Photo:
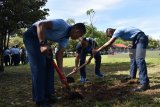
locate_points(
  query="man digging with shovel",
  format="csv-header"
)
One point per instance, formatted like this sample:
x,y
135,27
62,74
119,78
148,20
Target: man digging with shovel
x,y
35,40
84,47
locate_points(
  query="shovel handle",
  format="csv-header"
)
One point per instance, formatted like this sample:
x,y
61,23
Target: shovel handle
x,y
74,71
81,66
63,79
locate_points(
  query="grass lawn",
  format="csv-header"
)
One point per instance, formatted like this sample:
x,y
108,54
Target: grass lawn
x,y
111,91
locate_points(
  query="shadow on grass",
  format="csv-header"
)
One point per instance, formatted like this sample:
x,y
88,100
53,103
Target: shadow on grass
x,y
97,91
15,89
108,92
104,94
156,87
142,100
117,66
107,68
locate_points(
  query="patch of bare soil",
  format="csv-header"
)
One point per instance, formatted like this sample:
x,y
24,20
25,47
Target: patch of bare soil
x,y
101,91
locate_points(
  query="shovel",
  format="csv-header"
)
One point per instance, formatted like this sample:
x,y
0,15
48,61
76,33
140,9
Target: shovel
x,y
64,80
74,71
72,95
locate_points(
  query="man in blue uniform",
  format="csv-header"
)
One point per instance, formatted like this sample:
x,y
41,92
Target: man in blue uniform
x,y
35,40
140,43
7,53
83,48
15,55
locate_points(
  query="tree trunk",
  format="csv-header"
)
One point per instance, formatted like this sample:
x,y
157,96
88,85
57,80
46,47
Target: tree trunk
x,y
4,40
1,61
1,68
1,53
7,41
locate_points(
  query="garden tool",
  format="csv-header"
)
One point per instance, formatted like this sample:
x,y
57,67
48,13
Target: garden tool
x,y
71,94
74,71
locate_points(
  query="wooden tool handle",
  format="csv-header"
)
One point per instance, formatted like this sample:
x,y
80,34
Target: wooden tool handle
x,y
74,71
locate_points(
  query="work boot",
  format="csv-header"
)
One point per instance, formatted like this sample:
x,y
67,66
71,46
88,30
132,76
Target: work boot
x,y
100,75
129,78
142,88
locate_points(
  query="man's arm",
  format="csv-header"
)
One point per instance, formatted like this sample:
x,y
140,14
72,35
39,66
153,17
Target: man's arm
x,y
77,60
41,27
59,58
110,42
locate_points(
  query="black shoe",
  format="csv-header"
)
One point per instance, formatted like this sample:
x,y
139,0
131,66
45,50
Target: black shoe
x,y
129,78
53,99
42,104
142,88
126,79
100,75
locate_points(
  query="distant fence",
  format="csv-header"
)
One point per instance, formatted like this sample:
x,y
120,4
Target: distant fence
x,y
69,54
149,53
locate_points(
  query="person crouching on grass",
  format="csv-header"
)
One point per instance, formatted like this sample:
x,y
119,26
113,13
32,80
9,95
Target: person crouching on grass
x,y
83,48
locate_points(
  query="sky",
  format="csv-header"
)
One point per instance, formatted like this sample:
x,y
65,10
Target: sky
x,y
142,14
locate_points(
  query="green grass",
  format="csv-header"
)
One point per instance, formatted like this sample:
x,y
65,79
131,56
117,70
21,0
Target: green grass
x,y
15,85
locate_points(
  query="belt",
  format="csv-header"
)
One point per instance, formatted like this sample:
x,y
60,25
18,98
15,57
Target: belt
x,y
138,35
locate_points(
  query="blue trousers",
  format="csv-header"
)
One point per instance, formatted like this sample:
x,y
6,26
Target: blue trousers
x,y
133,65
42,71
139,51
7,60
97,58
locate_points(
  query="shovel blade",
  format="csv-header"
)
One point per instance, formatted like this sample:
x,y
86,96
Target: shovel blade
x,y
70,79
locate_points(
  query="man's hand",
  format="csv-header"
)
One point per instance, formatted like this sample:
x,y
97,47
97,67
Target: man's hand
x,y
75,69
44,49
94,51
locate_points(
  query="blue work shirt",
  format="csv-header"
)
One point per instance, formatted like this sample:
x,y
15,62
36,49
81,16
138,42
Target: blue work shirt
x,y
58,33
126,33
7,52
14,51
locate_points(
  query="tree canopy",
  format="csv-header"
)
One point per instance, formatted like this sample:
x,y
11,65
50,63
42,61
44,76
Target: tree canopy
x,y
16,14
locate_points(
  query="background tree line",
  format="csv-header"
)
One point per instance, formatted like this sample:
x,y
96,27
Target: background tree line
x,y
17,15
